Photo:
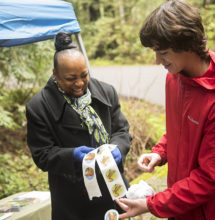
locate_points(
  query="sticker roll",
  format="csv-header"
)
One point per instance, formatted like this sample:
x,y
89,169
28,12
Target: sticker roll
x,y
110,172
89,174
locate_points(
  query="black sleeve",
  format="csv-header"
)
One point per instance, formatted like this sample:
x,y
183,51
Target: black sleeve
x,y
45,146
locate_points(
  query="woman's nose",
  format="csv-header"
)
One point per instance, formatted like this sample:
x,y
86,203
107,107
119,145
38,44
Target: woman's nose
x,y
79,82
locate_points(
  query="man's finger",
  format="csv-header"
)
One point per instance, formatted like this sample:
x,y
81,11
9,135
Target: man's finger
x,y
122,205
124,215
152,165
144,167
141,159
126,202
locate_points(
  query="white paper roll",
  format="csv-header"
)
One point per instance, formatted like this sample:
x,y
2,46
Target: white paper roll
x,y
109,170
89,174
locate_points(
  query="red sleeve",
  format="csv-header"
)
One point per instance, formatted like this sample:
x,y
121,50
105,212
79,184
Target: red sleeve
x,y
161,149
196,189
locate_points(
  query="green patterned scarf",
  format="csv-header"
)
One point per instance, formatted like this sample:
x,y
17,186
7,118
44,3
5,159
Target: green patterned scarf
x,y
89,116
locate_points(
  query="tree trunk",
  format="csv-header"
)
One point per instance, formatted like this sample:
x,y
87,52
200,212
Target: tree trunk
x,y
101,8
121,11
204,3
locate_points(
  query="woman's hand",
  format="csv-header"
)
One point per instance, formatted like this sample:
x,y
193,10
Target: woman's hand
x,y
80,152
116,154
132,207
147,162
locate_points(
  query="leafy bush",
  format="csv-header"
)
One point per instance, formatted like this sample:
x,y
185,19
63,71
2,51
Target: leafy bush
x,y
18,173
28,69
109,35
147,125
208,17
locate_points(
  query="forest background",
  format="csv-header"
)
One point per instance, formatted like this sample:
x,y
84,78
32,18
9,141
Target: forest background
x,y
110,33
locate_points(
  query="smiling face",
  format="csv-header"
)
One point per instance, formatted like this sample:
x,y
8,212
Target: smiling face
x,y
71,73
174,62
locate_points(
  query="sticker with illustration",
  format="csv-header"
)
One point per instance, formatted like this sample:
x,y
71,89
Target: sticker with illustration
x,y
89,173
90,157
109,171
111,175
111,214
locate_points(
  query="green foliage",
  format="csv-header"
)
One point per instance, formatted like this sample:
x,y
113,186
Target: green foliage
x,y
147,125
110,29
6,119
208,16
12,106
22,70
159,172
18,173
156,125
25,66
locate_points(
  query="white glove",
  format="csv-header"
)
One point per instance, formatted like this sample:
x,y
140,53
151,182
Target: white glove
x,y
140,190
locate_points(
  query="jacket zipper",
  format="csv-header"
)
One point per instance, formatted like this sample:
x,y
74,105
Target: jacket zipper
x,y
180,101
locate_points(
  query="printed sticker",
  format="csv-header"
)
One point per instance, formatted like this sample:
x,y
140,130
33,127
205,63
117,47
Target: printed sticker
x,y
100,150
89,157
109,171
111,214
117,190
111,175
89,173
105,160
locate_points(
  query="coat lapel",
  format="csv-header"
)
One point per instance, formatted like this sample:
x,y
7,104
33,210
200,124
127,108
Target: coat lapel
x,y
55,102
98,92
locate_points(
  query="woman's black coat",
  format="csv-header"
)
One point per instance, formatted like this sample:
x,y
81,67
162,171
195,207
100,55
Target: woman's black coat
x,y
54,129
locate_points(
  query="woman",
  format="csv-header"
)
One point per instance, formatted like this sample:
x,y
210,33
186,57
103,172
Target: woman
x,y
70,117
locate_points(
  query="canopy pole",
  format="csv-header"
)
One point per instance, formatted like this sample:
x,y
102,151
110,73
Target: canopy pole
x,y
82,48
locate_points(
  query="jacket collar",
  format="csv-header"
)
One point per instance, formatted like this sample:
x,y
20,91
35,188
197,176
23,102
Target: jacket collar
x,y
53,98
204,81
212,55
98,92
56,103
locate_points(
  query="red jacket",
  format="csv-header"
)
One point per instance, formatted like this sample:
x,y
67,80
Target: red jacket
x,y
189,148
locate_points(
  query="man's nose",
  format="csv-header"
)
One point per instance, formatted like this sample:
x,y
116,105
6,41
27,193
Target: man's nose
x,y
158,59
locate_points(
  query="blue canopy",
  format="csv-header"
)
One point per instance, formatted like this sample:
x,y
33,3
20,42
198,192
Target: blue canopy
x,y
28,21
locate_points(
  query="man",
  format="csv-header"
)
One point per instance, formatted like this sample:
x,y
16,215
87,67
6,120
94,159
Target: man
x,y
176,34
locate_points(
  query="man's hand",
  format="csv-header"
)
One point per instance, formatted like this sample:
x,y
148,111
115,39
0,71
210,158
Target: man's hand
x,y
147,162
80,152
132,207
